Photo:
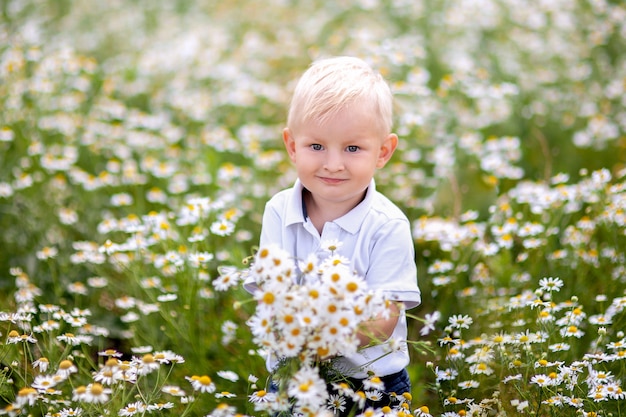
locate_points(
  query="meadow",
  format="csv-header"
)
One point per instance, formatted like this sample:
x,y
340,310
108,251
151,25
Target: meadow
x,y
139,141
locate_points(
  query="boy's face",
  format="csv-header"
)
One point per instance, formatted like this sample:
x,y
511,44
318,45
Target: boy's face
x,y
337,159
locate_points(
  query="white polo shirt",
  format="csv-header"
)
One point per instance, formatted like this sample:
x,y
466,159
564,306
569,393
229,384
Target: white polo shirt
x,y
376,238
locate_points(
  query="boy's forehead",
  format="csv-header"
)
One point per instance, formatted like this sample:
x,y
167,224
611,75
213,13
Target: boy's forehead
x,y
353,124
325,112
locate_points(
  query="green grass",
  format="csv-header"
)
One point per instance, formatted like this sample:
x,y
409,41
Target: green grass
x,y
117,118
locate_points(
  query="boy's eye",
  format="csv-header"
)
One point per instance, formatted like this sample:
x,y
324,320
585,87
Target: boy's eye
x,y
352,148
316,147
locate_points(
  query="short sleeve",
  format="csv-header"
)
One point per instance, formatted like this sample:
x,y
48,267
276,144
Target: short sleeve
x,y
272,226
270,234
392,266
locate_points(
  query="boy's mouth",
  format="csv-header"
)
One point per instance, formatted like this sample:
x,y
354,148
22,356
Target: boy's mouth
x,y
330,180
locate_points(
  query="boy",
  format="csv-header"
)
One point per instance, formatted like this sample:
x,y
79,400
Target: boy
x,y
338,133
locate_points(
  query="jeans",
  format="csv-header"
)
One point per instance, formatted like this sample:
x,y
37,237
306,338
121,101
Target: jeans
x,y
398,383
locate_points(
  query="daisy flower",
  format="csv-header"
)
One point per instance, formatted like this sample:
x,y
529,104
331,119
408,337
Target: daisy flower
x,y
125,302
575,316
292,345
262,396
202,383
47,252
92,393
600,319
132,409
66,367
335,260
198,259
331,245
75,340
571,331
173,390
359,398
440,266
481,368
336,403
77,288
71,412
160,406
550,284
228,375
26,395
423,411
224,394
446,374
429,322
228,278
543,380
373,382
574,401
110,373
112,353
374,395
146,364
459,321
469,384
222,227
222,410
559,347
75,321
167,356
307,387
14,337
308,266
41,364
509,378
342,388
44,382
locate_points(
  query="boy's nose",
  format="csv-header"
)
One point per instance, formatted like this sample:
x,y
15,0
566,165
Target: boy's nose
x,y
334,162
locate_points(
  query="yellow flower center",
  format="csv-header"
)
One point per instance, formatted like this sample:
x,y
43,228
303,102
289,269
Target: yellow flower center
x,y
26,391
268,298
205,380
97,389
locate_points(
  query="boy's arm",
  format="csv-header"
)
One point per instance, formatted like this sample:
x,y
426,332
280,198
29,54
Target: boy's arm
x,y
379,329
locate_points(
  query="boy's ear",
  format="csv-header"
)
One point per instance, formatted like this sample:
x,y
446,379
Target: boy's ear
x,y
290,144
386,150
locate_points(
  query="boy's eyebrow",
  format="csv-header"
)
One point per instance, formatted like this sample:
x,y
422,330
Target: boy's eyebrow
x,y
343,141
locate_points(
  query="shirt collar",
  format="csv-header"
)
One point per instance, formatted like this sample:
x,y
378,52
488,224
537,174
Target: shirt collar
x,y
350,222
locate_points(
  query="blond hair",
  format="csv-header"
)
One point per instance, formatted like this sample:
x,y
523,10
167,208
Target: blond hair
x,y
333,84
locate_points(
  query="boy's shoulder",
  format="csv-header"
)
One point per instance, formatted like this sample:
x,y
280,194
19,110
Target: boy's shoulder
x,y
382,205
282,196
287,203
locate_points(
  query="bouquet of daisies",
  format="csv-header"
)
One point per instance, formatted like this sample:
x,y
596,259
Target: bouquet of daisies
x,y
308,313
